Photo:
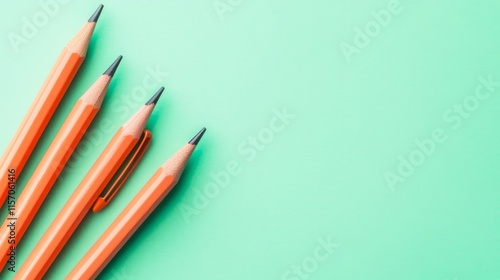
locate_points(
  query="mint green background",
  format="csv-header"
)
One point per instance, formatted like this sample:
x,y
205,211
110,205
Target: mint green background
x,y
321,176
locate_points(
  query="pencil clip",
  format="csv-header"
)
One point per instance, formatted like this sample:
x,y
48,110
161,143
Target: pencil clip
x,y
124,172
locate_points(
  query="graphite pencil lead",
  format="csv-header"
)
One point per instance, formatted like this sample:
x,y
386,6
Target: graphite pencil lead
x,y
96,14
155,97
112,69
197,137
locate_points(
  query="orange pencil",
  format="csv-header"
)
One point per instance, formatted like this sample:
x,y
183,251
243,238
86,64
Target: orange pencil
x,y
80,202
38,116
134,214
22,212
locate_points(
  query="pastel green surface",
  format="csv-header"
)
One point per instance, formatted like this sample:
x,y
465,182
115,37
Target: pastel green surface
x,y
340,96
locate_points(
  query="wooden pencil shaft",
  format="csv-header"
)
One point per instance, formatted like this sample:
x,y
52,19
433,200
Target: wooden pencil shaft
x,y
52,164
82,199
131,218
43,107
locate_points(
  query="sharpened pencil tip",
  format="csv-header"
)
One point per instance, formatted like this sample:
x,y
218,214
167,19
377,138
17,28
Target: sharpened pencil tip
x,y
155,97
96,14
112,69
197,137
